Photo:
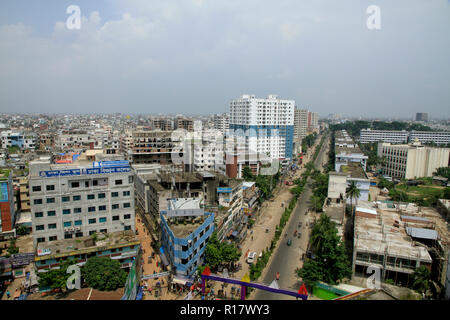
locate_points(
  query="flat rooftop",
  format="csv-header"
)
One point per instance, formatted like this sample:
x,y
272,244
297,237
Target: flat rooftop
x,y
387,229
77,245
355,170
183,228
347,150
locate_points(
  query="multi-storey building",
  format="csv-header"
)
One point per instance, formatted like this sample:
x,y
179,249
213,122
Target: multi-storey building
x,y
122,246
393,136
313,121
153,147
163,124
266,125
430,136
410,161
422,116
80,199
222,123
7,209
186,229
398,239
184,123
300,124
12,139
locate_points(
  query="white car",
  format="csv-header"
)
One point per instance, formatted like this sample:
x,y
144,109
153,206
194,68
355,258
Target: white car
x,y
251,257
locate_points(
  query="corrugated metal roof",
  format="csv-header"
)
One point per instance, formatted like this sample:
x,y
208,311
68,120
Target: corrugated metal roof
x,y
415,218
366,210
422,233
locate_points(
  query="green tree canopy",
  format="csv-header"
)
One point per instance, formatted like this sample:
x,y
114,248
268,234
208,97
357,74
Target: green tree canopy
x,y
352,191
330,263
220,253
56,278
103,273
420,280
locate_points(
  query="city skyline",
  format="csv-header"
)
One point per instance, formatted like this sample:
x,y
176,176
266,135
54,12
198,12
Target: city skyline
x,y
142,57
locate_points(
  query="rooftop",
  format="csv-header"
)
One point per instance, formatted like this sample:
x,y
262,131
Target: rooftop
x,y
379,227
76,246
355,170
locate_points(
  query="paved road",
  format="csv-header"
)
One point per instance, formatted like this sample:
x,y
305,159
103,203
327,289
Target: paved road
x,y
287,258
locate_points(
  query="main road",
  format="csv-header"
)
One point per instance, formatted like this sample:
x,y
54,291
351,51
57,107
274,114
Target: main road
x,y
287,258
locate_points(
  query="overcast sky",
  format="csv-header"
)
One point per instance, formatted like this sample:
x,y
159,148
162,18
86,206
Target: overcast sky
x,y
194,56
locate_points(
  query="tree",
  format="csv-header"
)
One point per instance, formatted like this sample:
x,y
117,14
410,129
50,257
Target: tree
x,y
22,230
330,263
421,279
443,172
247,174
56,278
352,191
103,273
218,253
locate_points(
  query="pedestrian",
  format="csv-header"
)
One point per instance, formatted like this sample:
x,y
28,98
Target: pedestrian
x,y
252,238
8,294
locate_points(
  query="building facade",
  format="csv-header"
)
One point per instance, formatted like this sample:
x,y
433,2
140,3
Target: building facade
x,y
70,201
393,136
186,229
7,208
410,161
266,125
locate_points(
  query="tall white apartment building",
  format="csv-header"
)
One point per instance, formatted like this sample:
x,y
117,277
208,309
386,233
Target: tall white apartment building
x,y
209,151
300,124
71,201
430,136
266,125
392,136
410,161
222,122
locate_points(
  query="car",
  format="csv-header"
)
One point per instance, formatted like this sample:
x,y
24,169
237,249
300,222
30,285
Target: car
x,y
251,257
289,242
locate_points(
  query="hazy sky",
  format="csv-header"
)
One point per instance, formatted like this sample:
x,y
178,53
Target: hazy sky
x,y
194,56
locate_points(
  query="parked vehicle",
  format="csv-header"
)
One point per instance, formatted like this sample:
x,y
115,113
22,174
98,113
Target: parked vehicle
x,y
251,257
289,242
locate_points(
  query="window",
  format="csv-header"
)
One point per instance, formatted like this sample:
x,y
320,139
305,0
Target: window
x,y
104,230
91,221
65,199
127,216
118,182
101,208
79,234
67,224
91,209
115,218
86,184
51,213
184,261
115,206
40,227
50,200
92,232
50,187
184,248
37,201
76,198
101,195
127,228
78,222
103,219
66,211
52,238
95,183
126,193
126,205
75,184
52,226
91,196
38,214
67,236
114,194
36,188
76,210
39,240
130,179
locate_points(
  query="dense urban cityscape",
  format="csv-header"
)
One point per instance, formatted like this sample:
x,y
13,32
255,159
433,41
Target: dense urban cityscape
x,y
192,175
